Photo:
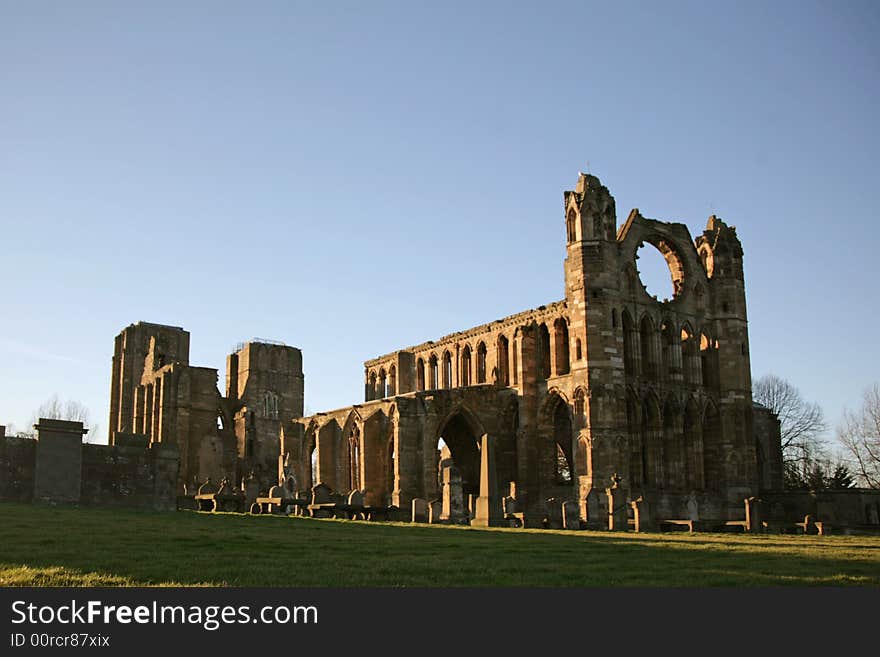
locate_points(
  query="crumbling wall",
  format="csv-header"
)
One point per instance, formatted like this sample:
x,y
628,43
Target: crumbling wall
x,y
17,463
131,474
58,468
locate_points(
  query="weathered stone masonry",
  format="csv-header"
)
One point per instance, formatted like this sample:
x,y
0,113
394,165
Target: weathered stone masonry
x,y
157,394
608,380
58,468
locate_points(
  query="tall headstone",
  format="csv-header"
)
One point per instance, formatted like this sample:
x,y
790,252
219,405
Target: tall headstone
x,y
488,511
693,507
617,516
571,515
453,509
58,471
644,518
554,513
754,515
435,516
419,510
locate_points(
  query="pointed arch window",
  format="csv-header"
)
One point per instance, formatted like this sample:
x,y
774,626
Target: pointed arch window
x,y
481,363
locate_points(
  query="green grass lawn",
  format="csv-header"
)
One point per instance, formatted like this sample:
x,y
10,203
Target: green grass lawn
x,y
42,546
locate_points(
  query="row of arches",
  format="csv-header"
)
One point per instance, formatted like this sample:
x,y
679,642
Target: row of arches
x,y
381,384
667,448
472,366
350,456
554,359
361,452
668,353
667,445
466,364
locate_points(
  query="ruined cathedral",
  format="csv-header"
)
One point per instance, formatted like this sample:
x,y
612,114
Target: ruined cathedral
x,y
608,386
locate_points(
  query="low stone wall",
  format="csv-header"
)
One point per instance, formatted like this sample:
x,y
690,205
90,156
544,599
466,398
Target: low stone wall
x,y
850,507
129,476
57,468
17,464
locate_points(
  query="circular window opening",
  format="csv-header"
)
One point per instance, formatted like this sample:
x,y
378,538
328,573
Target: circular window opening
x,y
655,271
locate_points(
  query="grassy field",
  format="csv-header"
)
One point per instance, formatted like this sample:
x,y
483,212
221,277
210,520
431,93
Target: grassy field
x,y
41,546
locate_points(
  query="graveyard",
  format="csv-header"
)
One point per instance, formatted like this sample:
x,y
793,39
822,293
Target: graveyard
x,y
70,546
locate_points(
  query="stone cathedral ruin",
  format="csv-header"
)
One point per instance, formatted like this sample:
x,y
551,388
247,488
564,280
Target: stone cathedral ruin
x,y
579,413
608,380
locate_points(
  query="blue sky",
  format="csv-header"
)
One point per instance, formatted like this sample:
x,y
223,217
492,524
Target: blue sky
x,y
354,177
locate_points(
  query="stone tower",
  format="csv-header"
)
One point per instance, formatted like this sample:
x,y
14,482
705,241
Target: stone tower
x,y
264,389
667,381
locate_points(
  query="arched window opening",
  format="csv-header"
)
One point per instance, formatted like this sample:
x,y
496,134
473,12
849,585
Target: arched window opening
x,y
420,374
435,372
544,350
383,384
515,362
354,458
646,340
630,345
713,471
582,462
693,448
392,381
635,438
563,468
447,369
689,356
503,361
614,318
707,361
562,356
371,387
562,437
392,458
579,354
481,363
580,409
648,446
571,223
313,465
270,405
465,374
670,352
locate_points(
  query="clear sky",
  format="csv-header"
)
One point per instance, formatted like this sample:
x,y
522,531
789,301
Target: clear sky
x,y
355,177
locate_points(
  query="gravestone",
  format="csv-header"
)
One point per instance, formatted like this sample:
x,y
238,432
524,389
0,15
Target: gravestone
x,y
207,488
754,515
642,514
617,516
356,498
452,502
596,510
571,515
488,511
251,488
435,512
322,494
419,510
554,513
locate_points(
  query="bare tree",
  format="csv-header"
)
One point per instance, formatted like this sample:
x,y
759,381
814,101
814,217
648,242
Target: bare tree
x,y
860,436
801,422
56,409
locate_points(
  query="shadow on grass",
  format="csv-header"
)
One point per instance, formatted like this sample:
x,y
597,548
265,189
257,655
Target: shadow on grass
x,y
86,547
